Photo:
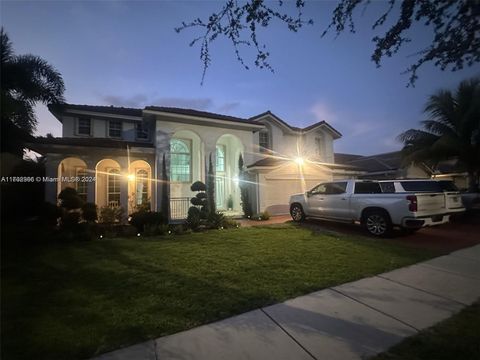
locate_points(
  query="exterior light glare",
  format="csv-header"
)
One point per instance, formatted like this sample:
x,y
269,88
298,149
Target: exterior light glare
x,y
236,180
131,177
299,161
138,234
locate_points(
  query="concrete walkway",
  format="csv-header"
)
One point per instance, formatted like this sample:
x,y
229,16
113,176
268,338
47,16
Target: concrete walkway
x,y
350,321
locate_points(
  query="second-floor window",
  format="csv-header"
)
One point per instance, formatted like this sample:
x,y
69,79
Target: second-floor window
x,y
84,126
264,141
115,128
141,131
180,160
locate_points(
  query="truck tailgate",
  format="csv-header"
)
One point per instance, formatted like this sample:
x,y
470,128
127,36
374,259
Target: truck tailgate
x,y
430,202
453,200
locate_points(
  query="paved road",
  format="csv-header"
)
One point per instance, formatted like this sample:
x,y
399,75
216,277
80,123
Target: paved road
x,y
350,321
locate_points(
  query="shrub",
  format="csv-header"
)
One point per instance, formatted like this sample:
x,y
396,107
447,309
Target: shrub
x,y
178,229
215,220
70,221
89,212
142,218
194,218
261,216
69,199
111,215
229,223
155,229
49,215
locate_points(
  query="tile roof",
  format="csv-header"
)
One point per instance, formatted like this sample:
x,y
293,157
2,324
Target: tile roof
x,y
98,108
373,163
272,162
294,128
205,114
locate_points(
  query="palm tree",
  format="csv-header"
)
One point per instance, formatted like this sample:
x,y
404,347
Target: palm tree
x,y
25,81
452,130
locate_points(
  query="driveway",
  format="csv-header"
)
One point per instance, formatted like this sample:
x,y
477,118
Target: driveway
x,y
459,234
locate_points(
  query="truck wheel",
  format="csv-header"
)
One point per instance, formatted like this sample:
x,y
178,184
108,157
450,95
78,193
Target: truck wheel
x,y
296,212
378,223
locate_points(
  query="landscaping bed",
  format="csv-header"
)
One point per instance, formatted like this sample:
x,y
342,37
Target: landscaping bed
x,y
79,299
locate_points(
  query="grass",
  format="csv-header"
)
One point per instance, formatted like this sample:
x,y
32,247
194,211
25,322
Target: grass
x,y
77,300
452,339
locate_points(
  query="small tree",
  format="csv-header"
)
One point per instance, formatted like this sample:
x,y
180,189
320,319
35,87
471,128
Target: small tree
x,y
211,187
195,215
244,194
165,201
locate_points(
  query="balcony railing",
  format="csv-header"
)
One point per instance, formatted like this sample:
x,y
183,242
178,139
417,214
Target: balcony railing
x,y
179,208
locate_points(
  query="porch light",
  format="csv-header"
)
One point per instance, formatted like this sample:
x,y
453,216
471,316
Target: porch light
x,y
236,180
131,177
299,161
138,234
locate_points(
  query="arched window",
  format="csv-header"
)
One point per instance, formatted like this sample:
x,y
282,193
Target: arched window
x,y
180,160
141,186
113,188
220,158
264,140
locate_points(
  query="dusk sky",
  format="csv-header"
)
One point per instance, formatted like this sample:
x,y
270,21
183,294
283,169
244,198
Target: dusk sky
x,y
128,54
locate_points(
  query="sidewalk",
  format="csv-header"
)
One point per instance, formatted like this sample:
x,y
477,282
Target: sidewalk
x,y
350,321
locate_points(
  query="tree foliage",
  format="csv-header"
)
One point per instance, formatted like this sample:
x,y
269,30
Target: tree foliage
x,y
455,25
25,81
452,130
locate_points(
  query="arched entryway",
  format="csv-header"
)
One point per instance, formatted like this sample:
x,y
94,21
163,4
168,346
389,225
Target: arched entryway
x,y
109,178
139,185
72,173
227,192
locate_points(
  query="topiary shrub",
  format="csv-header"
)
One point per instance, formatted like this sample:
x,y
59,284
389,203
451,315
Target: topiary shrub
x,y
69,199
89,212
198,186
194,218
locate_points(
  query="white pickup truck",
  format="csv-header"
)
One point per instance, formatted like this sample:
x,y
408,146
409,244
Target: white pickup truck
x,y
364,201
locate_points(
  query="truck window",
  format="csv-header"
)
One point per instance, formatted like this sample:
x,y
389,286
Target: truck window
x,y
319,189
448,185
367,188
387,187
336,188
422,186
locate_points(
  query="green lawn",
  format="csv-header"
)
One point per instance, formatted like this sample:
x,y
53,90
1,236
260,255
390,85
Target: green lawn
x,y
453,339
76,300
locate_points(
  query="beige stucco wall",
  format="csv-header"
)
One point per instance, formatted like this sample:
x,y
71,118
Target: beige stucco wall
x,y
292,145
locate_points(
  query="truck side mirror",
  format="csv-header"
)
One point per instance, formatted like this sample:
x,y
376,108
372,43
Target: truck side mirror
x,y
309,193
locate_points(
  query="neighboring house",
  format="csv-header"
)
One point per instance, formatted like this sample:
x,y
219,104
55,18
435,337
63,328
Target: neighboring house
x,y
124,148
384,166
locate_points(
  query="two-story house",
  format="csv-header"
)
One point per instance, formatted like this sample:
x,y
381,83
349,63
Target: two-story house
x,y
124,152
